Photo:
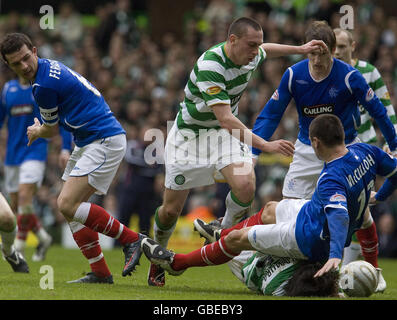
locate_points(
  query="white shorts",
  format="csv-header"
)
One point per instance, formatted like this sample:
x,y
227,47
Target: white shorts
x,y
301,179
29,172
98,160
194,161
279,239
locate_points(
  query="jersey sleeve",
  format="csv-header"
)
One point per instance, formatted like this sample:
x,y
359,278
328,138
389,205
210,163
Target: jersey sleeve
x,y
365,94
334,198
269,118
211,83
387,167
47,100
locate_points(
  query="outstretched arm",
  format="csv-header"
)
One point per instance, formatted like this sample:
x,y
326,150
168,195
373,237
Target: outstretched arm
x,y
274,50
231,123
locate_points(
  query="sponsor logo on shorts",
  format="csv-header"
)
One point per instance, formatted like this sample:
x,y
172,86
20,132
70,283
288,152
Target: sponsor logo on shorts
x,y
180,179
338,198
213,90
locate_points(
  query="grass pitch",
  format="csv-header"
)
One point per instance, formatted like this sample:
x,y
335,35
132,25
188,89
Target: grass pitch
x,y
206,283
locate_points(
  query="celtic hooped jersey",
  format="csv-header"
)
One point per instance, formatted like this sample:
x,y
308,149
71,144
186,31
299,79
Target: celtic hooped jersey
x,y
215,79
268,274
366,131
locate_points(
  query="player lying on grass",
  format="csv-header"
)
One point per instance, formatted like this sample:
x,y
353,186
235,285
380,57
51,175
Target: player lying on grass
x,y
282,276
316,230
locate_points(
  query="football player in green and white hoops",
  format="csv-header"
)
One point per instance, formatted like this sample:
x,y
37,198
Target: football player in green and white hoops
x,y
282,276
208,112
345,47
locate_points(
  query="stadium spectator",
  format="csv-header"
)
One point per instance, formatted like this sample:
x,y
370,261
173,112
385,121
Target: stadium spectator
x,y
68,25
136,189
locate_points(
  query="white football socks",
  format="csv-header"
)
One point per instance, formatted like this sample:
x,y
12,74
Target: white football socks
x,y
235,210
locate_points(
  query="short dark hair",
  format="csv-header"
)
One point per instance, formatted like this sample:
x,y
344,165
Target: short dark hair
x,y
13,42
320,30
240,25
303,284
328,129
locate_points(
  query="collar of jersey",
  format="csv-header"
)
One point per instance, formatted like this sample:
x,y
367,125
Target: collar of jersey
x,y
228,60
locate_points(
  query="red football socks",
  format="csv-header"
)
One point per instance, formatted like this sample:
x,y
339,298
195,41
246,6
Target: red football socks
x,y
88,242
212,254
99,220
369,244
249,222
26,223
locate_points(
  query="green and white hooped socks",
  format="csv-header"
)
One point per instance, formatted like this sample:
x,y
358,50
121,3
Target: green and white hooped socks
x,y
162,233
235,210
7,239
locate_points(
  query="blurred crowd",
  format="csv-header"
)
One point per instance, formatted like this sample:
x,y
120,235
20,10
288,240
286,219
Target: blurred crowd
x,y
143,80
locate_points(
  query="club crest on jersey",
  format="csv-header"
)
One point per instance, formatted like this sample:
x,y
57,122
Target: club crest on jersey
x,y
314,111
213,90
333,92
338,198
370,94
275,95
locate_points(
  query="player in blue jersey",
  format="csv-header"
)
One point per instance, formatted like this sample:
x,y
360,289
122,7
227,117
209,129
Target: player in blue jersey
x,y
67,99
25,166
321,84
315,230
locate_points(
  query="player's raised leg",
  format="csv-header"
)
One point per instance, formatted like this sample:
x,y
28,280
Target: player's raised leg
x,y
241,178
212,232
219,252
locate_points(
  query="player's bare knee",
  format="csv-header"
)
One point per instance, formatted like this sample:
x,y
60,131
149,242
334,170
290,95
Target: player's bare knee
x,y
269,213
170,212
66,206
245,190
7,221
234,240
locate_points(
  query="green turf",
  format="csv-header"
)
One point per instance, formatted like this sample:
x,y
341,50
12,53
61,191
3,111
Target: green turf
x,y
209,283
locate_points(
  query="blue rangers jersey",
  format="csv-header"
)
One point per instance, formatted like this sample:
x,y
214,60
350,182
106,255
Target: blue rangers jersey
x,y
326,223
18,106
337,94
67,98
